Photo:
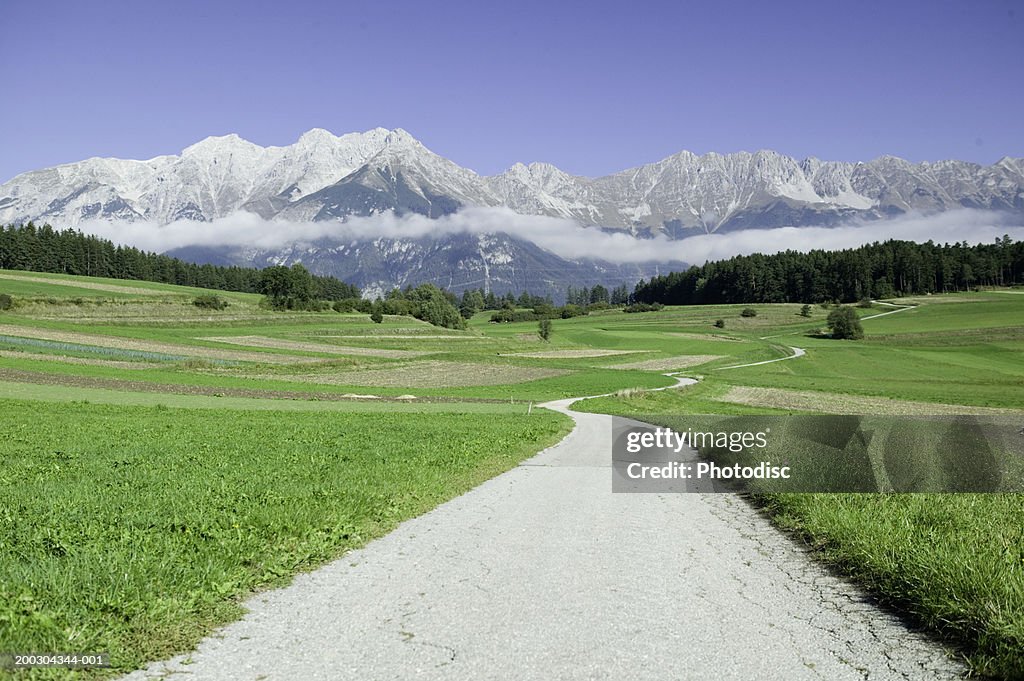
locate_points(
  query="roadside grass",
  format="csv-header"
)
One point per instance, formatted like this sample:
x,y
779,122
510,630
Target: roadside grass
x,y
138,530
954,562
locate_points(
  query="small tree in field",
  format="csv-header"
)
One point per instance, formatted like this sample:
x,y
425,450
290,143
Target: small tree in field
x,y
544,329
845,324
805,311
377,313
719,323
748,312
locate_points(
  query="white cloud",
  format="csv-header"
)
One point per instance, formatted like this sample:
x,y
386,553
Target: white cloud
x,y
563,237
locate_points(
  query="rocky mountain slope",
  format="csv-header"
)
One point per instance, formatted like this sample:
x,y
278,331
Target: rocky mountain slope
x,y
327,178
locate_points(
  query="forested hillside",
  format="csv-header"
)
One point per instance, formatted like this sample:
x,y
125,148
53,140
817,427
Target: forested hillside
x,y
880,270
44,249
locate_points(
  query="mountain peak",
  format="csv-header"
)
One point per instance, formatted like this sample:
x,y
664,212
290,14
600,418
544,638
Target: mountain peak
x,y
401,138
220,143
316,136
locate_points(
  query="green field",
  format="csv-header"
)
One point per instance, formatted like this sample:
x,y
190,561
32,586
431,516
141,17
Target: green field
x,y
162,461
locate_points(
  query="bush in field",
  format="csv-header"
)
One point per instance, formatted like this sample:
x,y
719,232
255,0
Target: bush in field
x,y
720,323
748,312
425,302
209,301
544,329
6,302
845,324
569,311
805,311
353,305
288,288
864,302
643,307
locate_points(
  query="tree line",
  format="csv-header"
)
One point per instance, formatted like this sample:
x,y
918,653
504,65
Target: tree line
x,y
879,270
44,249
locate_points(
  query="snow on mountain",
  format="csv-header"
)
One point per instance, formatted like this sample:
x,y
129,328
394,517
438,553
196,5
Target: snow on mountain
x,y
323,177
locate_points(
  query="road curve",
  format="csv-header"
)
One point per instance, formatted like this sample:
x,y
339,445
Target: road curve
x,y
543,573
797,352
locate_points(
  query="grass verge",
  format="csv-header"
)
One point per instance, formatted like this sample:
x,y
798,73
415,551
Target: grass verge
x,y
955,562
137,530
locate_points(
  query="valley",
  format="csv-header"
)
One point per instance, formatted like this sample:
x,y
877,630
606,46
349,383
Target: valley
x,y
176,459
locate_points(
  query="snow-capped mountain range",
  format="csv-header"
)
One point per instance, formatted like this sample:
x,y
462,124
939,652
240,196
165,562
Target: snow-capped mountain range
x,y
323,177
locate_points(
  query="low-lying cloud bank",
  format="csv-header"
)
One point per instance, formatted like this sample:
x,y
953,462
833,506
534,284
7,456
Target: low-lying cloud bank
x,y
562,237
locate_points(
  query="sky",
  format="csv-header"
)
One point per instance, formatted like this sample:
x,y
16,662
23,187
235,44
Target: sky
x,y
592,87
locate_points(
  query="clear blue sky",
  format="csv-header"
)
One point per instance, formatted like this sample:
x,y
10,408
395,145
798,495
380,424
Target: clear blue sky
x,y
591,87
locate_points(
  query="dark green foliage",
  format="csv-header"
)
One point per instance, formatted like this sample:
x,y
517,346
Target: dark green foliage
x,y
643,307
845,324
865,303
544,329
353,305
287,288
44,249
620,295
720,323
6,302
582,297
376,317
748,312
880,270
541,311
210,301
502,316
569,311
425,302
805,311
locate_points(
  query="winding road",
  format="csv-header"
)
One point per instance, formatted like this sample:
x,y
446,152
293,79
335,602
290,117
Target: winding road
x,y
544,573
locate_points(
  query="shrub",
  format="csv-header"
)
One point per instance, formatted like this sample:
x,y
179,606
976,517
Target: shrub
x,y
805,311
209,301
376,317
748,312
569,311
864,302
353,305
514,316
643,307
845,324
544,329
720,323
6,302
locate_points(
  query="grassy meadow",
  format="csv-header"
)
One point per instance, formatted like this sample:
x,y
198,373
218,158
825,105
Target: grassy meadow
x,y
162,461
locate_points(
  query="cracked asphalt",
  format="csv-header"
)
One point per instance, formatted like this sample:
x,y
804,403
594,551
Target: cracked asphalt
x,y
543,573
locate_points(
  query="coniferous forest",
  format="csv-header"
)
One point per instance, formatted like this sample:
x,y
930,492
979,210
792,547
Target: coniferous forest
x,y
44,249
880,270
